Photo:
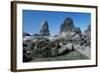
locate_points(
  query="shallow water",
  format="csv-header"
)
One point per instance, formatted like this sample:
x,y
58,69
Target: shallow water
x,y
73,55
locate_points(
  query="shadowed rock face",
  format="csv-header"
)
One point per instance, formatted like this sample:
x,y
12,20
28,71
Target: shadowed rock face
x,y
77,34
44,30
70,33
66,27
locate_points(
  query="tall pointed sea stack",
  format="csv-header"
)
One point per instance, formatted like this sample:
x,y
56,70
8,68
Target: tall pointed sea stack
x,y
44,30
67,27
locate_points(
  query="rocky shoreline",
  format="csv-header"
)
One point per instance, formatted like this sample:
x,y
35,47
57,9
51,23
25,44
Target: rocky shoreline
x,y
69,39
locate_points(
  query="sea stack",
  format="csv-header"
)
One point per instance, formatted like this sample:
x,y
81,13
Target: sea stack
x,y
67,27
44,29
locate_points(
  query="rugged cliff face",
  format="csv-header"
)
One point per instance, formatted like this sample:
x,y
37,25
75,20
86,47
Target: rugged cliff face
x,y
77,34
70,33
67,25
44,30
67,28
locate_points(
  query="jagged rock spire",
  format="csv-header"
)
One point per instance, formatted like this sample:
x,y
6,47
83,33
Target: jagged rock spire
x,y
67,25
44,30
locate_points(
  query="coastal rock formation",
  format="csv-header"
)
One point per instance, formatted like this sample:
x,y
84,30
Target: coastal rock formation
x,y
67,28
77,36
70,39
44,30
73,35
